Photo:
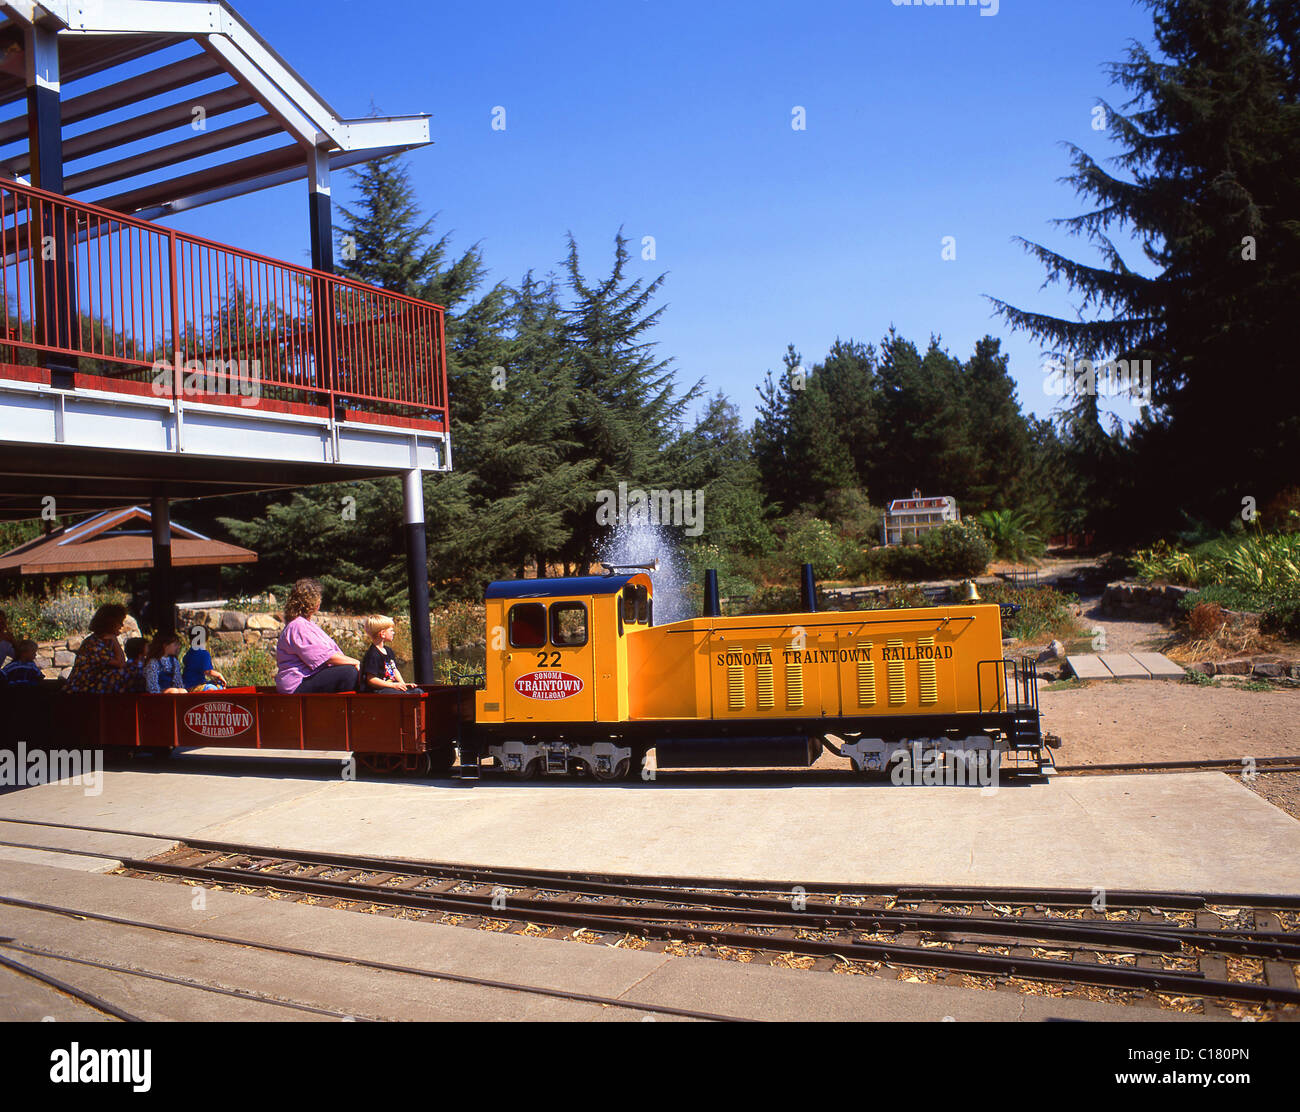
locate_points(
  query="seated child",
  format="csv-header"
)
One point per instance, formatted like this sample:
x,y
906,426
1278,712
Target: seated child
x,y
198,674
135,651
22,669
162,667
379,666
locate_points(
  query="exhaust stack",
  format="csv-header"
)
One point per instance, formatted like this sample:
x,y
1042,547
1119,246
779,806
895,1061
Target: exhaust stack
x,y
712,603
808,590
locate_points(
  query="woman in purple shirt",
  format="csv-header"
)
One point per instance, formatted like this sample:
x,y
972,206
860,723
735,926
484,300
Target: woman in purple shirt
x,y
306,658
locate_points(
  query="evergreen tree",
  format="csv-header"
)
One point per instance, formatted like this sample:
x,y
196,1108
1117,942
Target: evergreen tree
x,y
771,436
627,406
717,458
997,433
1211,141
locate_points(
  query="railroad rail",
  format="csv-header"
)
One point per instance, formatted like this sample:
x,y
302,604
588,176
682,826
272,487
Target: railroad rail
x,y
1181,944
1185,952
1227,764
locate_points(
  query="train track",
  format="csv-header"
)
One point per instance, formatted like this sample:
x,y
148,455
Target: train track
x,y
1216,947
1224,947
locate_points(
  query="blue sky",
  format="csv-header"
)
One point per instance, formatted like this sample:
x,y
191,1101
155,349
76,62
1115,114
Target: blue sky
x,y
673,120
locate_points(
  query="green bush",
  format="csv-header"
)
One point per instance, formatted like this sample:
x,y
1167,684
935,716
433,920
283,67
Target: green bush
x,y
47,619
813,541
1043,611
1254,562
957,550
1230,598
1011,536
254,666
1282,616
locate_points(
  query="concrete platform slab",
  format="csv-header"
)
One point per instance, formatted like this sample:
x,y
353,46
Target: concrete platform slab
x,y
1124,666
1194,832
1088,667
1159,665
257,983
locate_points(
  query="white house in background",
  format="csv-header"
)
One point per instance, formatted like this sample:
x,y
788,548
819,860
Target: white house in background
x,y
907,519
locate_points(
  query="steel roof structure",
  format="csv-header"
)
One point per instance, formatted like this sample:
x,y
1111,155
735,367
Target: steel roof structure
x,y
226,115
114,114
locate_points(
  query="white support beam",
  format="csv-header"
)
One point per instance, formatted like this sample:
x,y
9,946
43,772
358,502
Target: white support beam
x,y
267,181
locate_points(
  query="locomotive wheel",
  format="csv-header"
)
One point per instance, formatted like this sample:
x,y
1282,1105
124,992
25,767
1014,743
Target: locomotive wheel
x,y
418,767
618,772
531,771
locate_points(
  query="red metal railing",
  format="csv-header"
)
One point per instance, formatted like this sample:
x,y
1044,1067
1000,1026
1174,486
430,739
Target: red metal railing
x,y
113,296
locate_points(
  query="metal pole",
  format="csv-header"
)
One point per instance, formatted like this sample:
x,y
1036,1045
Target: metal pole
x,y
417,574
58,321
319,210
162,598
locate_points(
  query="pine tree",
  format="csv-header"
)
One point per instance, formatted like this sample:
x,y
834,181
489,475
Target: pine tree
x,y
717,458
998,434
1211,141
771,435
627,407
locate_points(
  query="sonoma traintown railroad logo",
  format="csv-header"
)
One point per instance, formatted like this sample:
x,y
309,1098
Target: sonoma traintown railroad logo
x,y
217,719
548,686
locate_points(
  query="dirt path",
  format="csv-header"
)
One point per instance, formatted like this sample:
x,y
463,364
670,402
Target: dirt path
x,y
1123,636
1120,721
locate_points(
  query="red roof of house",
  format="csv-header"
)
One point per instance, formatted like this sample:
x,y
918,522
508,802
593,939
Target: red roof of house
x,y
116,540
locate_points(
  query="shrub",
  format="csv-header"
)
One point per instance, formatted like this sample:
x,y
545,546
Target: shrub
x,y
854,516
25,620
69,613
60,616
1256,562
1011,536
816,542
459,625
1282,616
774,600
1043,611
1229,598
254,666
957,550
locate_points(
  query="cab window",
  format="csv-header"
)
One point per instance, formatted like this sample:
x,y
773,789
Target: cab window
x,y
636,609
527,623
568,624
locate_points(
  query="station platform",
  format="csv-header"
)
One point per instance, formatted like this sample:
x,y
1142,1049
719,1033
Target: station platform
x,y
1194,832
165,959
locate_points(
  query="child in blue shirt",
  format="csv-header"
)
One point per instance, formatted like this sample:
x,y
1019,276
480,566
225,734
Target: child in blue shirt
x,y
23,669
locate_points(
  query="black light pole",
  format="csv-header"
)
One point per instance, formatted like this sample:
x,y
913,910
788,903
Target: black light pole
x,y
417,575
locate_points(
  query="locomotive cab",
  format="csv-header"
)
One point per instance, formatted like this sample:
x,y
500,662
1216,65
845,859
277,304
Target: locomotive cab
x,y
557,656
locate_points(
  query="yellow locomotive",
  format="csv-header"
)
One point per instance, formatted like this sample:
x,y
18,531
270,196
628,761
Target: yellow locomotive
x,y
579,674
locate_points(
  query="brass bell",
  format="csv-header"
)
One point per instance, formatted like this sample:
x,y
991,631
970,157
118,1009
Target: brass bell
x,y
971,593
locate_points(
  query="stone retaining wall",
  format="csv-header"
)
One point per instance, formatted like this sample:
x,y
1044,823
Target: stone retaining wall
x,y
1258,667
1141,601
229,630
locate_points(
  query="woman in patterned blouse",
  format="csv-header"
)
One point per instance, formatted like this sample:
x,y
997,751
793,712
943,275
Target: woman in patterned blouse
x,y
100,668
